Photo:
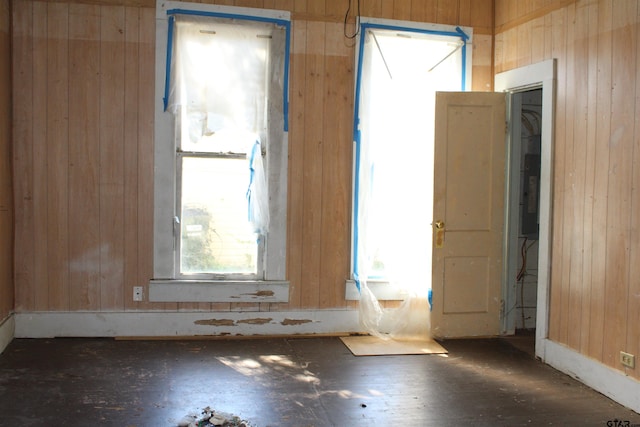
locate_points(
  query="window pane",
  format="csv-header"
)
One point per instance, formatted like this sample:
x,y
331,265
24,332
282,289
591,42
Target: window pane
x,y
220,82
216,236
400,74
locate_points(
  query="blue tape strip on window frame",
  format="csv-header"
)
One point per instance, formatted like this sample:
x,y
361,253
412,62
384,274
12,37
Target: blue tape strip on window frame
x,y
252,172
287,48
356,122
167,74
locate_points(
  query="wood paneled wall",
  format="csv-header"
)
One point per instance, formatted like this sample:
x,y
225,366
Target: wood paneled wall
x,y
6,194
83,146
595,281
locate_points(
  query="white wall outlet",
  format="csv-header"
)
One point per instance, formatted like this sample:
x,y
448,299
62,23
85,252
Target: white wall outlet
x,y
137,293
628,360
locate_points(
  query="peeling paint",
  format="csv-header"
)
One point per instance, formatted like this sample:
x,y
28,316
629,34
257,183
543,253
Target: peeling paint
x,y
256,321
293,322
262,293
215,322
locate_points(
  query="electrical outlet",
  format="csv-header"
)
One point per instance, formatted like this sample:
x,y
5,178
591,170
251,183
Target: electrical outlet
x,y
628,360
137,293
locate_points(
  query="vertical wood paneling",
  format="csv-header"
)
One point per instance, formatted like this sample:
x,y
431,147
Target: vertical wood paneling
x,y
569,270
336,169
482,70
510,49
558,292
40,236
316,7
402,9
372,8
477,13
146,91
57,143
601,180
23,166
84,150
537,40
130,152
312,165
593,304
6,193
623,79
633,315
498,53
296,157
105,241
447,12
524,44
590,53
424,10
111,177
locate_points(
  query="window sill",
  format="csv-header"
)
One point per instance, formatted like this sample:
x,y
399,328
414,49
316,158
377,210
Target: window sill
x,y
172,290
381,289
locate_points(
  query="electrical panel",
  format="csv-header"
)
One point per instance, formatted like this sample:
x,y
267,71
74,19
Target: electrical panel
x,y
530,196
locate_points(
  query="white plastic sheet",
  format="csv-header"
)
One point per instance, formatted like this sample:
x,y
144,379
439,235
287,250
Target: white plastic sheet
x,y
222,72
395,174
257,193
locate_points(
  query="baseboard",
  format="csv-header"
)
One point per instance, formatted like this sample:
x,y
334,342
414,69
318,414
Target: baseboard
x,y
183,324
7,331
610,382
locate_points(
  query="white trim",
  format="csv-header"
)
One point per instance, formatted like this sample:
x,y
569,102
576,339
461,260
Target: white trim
x,y
163,6
540,75
7,332
218,291
608,381
165,166
184,324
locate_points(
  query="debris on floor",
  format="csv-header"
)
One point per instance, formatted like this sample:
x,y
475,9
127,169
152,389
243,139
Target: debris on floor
x,y
211,418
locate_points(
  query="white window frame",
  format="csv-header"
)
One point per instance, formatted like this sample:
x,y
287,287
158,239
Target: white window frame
x,y
165,285
380,287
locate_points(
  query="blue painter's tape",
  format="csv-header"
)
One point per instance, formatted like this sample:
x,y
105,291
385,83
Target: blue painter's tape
x,y
228,16
356,139
287,51
463,78
167,74
356,122
462,34
252,171
412,30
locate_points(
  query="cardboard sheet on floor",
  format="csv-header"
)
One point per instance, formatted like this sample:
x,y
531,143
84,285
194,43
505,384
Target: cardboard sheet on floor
x,y
366,345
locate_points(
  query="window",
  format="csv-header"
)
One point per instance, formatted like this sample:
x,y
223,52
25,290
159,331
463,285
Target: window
x,y
399,70
221,144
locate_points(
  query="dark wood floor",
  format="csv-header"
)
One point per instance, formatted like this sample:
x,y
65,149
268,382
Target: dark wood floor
x,y
288,382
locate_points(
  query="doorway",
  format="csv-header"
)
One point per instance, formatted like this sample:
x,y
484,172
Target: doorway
x,y
530,93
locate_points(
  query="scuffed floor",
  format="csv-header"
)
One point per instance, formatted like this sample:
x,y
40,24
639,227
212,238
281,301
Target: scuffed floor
x,y
287,382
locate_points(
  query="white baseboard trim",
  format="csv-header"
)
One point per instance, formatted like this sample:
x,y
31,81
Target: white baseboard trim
x,y
183,324
610,382
7,332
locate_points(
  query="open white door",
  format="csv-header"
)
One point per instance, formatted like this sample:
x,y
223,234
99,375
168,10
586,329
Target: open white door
x,y
468,212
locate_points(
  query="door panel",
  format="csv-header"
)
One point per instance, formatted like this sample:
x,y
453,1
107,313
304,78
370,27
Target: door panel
x,y
468,213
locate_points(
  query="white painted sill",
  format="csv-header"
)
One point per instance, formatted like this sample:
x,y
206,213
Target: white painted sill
x,y
256,291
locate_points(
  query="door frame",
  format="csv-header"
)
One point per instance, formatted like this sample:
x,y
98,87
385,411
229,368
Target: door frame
x,y
541,75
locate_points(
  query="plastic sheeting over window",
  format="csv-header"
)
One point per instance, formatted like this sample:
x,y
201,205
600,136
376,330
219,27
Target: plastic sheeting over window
x,y
225,86
221,70
398,74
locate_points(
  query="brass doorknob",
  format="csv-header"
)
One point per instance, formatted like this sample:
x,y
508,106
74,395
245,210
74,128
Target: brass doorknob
x,y
439,224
